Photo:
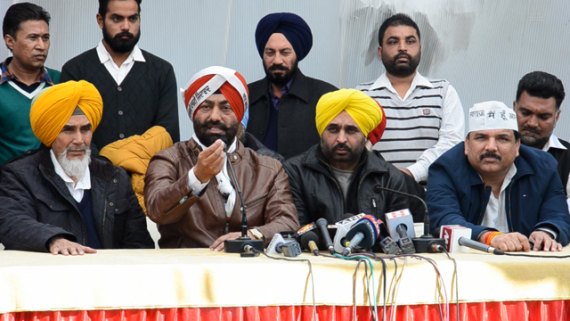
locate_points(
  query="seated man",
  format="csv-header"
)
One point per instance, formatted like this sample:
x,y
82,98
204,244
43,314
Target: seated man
x,y
188,190
59,199
339,175
507,193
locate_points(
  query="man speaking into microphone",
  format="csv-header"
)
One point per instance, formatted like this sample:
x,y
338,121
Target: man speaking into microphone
x,y
339,175
188,191
510,195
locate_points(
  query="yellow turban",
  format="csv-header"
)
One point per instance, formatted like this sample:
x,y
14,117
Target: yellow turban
x,y
364,110
53,108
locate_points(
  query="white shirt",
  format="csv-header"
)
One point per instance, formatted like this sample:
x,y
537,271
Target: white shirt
x,y
553,142
495,213
76,190
224,183
119,73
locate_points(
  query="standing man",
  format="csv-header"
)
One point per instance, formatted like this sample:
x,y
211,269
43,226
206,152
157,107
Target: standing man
x,y
26,34
509,194
138,88
283,103
339,175
539,96
425,117
188,190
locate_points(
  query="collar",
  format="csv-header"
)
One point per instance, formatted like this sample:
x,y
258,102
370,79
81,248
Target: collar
x,y
384,82
105,56
553,142
7,75
84,183
299,88
284,90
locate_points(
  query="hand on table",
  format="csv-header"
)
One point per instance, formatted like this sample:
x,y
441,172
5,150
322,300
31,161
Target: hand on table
x,y
510,242
60,245
544,241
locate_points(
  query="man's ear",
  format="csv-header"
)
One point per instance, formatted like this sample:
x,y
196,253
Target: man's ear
x,y
100,20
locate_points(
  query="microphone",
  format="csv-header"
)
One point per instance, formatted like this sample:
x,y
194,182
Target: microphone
x,y
309,241
479,246
389,246
322,225
238,245
286,246
451,235
363,233
405,242
425,243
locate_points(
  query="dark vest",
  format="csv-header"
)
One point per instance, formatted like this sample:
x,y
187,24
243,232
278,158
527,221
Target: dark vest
x,y
84,207
563,158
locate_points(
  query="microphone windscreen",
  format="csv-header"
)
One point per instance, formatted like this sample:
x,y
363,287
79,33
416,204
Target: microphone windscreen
x,y
308,237
369,226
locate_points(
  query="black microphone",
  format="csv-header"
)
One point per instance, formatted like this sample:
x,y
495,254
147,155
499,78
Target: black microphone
x,y
363,233
309,242
426,242
322,225
479,246
238,246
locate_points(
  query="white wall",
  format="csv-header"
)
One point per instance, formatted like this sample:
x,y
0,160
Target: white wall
x,y
482,46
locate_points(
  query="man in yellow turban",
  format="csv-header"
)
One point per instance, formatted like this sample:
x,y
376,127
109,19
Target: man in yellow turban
x,y
339,175
59,199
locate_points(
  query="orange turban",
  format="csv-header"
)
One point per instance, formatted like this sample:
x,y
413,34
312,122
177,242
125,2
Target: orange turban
x,y
209,80
52,108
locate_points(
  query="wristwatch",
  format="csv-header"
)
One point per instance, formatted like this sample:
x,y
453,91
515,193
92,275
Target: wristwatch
x,y
256,233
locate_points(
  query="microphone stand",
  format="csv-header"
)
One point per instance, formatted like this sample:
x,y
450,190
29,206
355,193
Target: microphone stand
x,y
244,243
425,243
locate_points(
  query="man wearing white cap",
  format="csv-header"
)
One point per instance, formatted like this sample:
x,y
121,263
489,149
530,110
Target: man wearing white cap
x,y
507,193
188,191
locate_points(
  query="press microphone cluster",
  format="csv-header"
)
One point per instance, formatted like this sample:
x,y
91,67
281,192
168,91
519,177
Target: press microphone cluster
x,y
363,233
425,243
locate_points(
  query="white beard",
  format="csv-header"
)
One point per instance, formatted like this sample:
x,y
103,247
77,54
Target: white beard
x,y
74,168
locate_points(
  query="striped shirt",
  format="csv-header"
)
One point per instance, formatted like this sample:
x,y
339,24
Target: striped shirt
x,y
427,122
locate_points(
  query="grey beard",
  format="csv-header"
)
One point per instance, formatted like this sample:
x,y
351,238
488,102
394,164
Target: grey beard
x,y
74,168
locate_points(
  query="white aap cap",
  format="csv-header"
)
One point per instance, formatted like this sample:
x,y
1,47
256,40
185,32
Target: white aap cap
x,y
492,115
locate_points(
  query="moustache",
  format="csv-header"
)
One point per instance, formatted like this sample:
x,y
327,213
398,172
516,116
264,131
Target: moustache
x,y
531,130
278,67
491,155
402,54
124,34
217,124
341,146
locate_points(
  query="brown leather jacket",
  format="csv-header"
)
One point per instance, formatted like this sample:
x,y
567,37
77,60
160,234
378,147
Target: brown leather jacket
x,y
188,220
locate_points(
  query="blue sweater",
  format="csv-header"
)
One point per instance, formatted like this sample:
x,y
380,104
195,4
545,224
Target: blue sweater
x,y
534,198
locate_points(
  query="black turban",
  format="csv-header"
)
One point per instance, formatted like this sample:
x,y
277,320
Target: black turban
x,y
293,27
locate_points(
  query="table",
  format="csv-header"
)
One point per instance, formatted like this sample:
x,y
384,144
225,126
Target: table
x,y
196,284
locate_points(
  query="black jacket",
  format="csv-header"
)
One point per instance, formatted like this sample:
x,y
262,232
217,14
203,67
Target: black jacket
x,y
562,156
317,193
147,96
36,205
253,143
297,130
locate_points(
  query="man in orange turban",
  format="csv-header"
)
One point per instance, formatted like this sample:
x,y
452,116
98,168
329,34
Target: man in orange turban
x,y
188,191
339,175
59,199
